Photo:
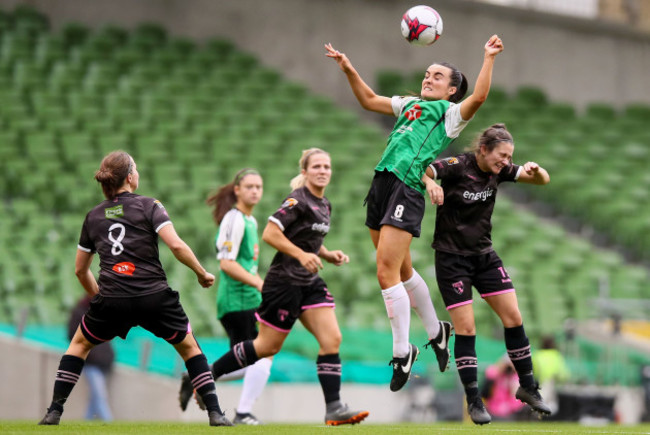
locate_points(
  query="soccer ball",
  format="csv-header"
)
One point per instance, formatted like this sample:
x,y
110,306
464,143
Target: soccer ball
x,y
421,25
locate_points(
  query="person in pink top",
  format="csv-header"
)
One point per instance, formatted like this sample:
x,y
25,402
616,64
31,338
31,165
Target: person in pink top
x,y
501,383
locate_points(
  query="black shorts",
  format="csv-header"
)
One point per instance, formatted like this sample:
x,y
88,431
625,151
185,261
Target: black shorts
x,y
282,304
391,202
160,313
456,274
240,326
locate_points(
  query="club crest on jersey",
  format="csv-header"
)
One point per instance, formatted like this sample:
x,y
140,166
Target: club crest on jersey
x,y
124,268
289,202
413,113
458,287
451,160
227,245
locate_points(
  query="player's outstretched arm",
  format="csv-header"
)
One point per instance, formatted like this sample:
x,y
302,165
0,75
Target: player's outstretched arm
x,y
368,99
184,254
471,104
532,173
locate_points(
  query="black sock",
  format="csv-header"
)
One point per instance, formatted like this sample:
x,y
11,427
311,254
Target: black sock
x,y
202,381
241,355
329,375
518,348
467,363
67,375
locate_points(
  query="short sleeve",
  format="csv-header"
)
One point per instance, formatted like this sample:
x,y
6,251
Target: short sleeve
x,y
289,211
510,173
399,102
85,242
447,168
454,122
159,216
231,234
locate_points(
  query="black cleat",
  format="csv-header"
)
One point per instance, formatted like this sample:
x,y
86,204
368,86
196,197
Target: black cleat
x,y
440,345
52,418
402,368
218,419
344,415
186,391
477,412
246,418
532,398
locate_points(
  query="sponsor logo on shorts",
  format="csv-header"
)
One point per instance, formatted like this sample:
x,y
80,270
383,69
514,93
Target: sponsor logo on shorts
x,y
282,315
114,212
124,268
458,287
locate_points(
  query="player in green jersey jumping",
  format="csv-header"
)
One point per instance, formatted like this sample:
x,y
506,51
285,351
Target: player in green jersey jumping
x,y
425,126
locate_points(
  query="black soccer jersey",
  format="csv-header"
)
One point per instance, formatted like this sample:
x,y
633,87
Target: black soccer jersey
x,y
124,232
305,220
463,222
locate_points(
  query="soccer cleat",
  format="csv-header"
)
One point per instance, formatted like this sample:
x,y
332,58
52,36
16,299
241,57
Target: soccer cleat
x,y
440,345
532,398
199,401
344,415
402,368
477,412
52,418
186,391
246,418
218,419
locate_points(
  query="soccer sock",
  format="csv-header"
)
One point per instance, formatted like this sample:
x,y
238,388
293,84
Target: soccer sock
x,y
241,355
398,308
467,364
67,375
421,302
518,348
329,375
202,381
254,381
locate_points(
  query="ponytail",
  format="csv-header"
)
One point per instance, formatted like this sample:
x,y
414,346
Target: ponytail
x,y
112,172
224,198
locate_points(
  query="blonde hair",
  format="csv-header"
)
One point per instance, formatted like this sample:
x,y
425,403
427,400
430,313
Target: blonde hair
x,y
299,180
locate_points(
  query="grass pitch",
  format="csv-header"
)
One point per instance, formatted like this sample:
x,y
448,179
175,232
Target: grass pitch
x,y
146,428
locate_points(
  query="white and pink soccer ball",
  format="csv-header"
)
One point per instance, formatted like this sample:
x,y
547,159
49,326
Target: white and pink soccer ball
x,y
421,25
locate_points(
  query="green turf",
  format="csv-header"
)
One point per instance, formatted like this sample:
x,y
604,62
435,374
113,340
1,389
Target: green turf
x,y
144,428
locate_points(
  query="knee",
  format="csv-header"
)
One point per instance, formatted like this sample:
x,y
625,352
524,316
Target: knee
x,y
512,319
264,350
333,343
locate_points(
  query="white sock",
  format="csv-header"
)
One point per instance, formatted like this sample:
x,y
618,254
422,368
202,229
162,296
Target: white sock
x,y
254,381
232,376
398,308
421,302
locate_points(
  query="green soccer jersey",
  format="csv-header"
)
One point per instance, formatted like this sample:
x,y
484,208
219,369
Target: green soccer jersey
x,y
237,240
414,142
